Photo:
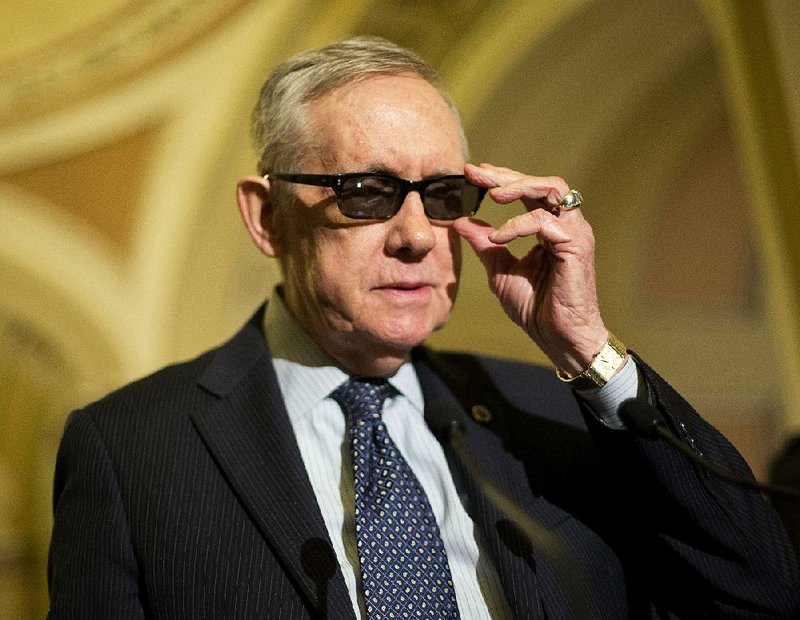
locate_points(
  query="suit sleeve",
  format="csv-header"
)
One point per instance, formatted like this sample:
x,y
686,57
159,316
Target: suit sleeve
x,y
92,570
703,547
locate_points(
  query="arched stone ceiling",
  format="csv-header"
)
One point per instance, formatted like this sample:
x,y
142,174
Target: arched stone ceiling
x,y
755,41
99,170
103,188
53,54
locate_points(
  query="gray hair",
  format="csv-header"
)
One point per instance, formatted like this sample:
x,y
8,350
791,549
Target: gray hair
x,y
279,117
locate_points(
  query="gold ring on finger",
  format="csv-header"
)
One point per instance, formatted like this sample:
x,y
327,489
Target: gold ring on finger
x,y
571,201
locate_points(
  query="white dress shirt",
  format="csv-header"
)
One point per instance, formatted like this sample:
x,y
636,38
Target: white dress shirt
x,y
307,376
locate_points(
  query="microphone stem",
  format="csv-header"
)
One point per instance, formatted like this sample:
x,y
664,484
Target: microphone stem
x,y
720,472
567,570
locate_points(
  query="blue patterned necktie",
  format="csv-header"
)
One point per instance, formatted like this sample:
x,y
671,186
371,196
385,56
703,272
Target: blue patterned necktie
x,y
404,570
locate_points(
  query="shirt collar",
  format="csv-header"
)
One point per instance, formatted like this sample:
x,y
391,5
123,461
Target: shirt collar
x,y
306,374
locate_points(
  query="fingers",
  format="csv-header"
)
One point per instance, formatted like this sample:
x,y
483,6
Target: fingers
x,y
540,195
539,222
550,291
508,185
481,235
475,232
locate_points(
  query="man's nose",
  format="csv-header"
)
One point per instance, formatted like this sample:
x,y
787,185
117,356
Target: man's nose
x,y
410,230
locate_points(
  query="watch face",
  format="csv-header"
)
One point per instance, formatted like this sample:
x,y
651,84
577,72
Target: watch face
x,y
605,365
602,368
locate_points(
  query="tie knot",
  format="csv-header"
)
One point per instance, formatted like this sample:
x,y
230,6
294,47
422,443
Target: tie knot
x,y
363,397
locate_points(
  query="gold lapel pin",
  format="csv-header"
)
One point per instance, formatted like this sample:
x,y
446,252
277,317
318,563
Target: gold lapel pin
x,y
481,413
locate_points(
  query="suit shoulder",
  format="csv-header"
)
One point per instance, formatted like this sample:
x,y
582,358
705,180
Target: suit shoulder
x,y
499,365
212,371
531,388
167,382
506,373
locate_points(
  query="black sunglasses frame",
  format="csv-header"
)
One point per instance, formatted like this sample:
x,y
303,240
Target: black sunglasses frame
x,y
336,183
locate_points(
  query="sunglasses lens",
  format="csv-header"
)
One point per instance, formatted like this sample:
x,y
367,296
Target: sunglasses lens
x,y
369,198
380,197
450,199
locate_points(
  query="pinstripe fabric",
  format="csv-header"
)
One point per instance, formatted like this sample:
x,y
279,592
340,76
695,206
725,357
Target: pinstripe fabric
x,y
686,553
184,496
206,489
307,377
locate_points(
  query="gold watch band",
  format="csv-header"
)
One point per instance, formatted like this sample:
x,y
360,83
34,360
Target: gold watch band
x,y
604,364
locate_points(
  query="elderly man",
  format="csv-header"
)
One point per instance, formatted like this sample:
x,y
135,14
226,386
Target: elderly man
x,y
290,473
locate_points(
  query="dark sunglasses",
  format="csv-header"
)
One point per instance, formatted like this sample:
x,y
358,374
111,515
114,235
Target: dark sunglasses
x,y
376,196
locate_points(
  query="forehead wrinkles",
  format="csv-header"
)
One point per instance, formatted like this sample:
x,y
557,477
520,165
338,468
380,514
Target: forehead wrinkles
x,y
374,125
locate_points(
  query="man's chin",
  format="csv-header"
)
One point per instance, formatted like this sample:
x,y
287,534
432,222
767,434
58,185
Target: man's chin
x,y
406,338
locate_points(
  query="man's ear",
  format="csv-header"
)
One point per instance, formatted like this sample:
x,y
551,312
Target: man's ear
x,y
256,208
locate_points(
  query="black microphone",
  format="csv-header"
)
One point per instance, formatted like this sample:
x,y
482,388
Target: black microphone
x,y
442,417
319,562
646,421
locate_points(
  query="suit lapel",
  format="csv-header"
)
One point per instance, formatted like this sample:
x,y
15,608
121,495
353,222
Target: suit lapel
x,y
514,558
248,431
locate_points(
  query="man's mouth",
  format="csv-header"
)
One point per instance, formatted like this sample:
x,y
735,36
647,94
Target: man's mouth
x,y
406,288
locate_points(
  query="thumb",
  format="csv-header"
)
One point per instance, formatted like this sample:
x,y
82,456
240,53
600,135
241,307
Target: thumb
x,y
475,232
495,258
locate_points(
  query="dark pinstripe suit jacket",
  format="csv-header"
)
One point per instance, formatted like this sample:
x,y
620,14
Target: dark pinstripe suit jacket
x,y
184,495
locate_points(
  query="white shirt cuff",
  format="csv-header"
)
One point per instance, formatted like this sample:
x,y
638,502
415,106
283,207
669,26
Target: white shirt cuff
x,y
605,401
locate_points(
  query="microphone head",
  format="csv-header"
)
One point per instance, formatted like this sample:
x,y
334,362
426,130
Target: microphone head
x,y
641,418
443,418
318,560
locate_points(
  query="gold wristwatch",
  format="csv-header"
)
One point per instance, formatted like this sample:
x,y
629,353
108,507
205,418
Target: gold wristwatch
x,y
604,364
